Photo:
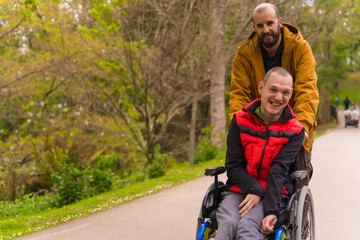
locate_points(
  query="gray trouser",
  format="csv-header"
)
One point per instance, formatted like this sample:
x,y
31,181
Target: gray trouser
x,y
232,226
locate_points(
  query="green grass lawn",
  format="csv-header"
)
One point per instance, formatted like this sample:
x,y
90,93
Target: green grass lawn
x,y
349,88
324,129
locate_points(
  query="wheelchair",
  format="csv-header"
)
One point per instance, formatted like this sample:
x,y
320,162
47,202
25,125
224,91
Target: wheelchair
x,y
300,216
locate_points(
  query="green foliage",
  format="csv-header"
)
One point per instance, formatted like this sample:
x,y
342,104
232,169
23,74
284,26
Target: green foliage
x,y
155,170
22,224
107,162
55,149
69,184
103,13
334,70
349,88
26,205
99,180
79,76
205,150
73,184
135,177
27,7
157,167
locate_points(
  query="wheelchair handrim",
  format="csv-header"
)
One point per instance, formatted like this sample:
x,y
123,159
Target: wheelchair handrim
x,y
305,201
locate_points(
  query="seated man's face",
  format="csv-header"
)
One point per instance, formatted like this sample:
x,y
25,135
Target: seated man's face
x,y
275,96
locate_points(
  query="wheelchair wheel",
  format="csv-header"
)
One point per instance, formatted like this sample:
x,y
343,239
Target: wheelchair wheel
x,y
211,227
200,221
305,216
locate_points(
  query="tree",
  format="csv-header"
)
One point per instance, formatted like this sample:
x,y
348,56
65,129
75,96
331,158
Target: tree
x,y
138,51
35,64
322,24
217,70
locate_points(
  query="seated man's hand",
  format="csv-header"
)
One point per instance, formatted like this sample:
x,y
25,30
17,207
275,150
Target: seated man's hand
x,y
268,224
249,202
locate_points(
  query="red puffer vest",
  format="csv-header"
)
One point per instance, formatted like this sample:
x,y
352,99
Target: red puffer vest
x,y
263,142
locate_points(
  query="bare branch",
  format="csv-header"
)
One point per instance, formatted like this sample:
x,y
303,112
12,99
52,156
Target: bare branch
x,y
134,136
51,90
12,29
48,66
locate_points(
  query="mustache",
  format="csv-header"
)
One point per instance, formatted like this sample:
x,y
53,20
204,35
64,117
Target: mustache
x,y
268,34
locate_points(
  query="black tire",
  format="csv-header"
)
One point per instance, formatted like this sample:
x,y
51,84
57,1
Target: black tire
x,y
305,216
201,219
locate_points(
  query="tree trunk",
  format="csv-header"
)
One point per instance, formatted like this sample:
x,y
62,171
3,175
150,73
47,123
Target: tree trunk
x,y
324,106
11,181
218,71
193,130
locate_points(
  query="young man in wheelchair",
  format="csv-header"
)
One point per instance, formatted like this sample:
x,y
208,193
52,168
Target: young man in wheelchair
x,y
263,141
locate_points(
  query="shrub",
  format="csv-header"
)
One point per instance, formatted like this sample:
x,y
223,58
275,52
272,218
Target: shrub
x,y
205,150
69,184
107,162
157,167
73,184
155,170
99,181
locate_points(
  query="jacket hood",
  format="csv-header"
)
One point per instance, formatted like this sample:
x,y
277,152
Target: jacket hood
x,y
292,28
294,33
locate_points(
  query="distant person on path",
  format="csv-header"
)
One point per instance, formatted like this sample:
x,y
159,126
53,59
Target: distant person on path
x,y
353,112
346,103
274,44
354,107
263,141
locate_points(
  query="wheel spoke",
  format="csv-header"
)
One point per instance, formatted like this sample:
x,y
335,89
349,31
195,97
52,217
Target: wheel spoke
x,y
306,229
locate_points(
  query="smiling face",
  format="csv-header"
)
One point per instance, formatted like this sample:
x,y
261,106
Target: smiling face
x,y
275,95
267,25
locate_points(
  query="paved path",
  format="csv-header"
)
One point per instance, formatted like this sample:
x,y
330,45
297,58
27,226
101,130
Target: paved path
x,y
171,214
336,183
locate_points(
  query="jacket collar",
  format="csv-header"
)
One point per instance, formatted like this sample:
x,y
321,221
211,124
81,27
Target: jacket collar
x,y
291,35
286,115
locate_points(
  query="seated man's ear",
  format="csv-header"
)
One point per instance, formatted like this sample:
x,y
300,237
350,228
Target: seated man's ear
x,y
260,87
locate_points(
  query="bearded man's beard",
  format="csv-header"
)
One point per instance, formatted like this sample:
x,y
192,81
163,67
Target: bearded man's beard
x,y
270,43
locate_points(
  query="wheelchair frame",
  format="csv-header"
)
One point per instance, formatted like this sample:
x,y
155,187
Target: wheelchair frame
x,y
299,212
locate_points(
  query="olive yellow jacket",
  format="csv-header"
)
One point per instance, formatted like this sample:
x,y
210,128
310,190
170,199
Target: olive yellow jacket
x,y
248,70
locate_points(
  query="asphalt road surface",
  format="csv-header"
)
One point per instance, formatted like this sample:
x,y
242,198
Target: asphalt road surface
x,y
171,214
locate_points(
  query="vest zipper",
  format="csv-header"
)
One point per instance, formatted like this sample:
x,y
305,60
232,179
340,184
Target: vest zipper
x,y
263,152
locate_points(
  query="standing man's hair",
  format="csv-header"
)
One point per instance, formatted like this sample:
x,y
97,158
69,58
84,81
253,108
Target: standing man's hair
x,y
279,70
261,7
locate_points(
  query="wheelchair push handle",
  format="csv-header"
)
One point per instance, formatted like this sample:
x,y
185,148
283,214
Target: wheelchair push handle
x,y
299,175
214,171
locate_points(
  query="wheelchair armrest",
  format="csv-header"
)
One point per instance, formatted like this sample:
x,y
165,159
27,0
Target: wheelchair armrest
x,y
214,171
298,175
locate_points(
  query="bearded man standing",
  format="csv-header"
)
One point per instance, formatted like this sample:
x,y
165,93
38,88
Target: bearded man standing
x,y
277,44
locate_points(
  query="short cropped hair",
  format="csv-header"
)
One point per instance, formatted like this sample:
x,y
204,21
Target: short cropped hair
x,y
279,70
264,6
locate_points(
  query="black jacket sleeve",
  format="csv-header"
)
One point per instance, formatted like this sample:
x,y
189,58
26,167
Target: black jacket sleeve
x,y
279,174
236,163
